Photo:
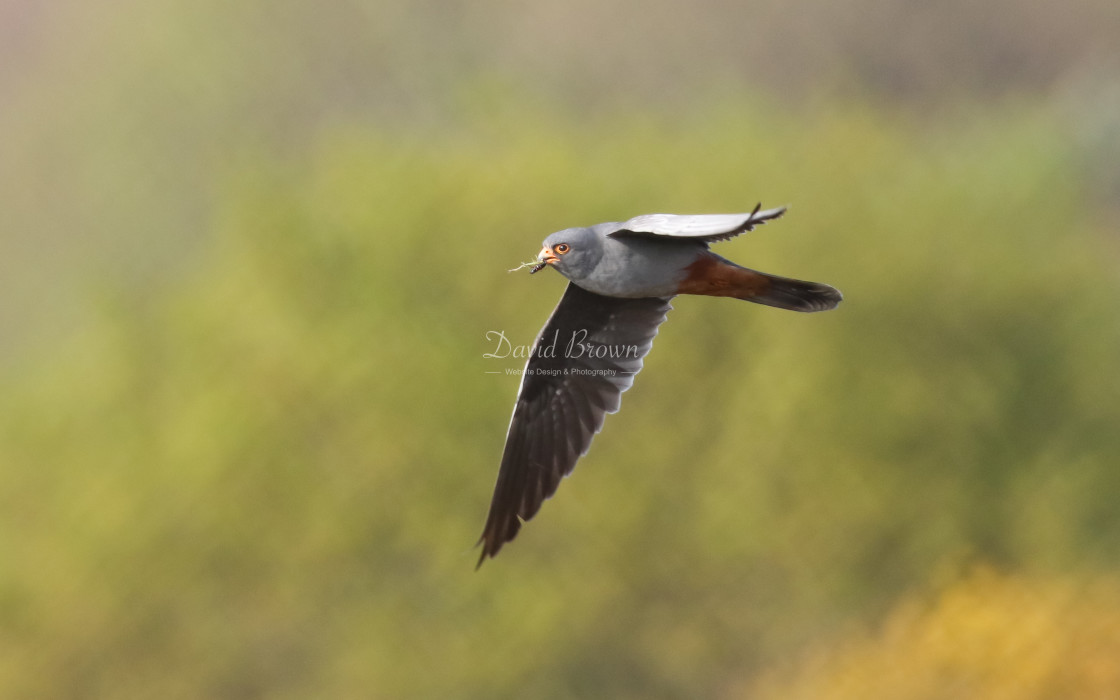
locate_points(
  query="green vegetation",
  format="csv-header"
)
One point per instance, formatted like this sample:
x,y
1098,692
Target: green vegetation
x,y
266,479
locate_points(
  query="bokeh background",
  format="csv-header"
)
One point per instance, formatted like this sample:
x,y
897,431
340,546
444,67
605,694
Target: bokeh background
x,y
250,252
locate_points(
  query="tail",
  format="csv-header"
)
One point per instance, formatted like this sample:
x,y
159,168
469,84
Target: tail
x,y
786,293
713,276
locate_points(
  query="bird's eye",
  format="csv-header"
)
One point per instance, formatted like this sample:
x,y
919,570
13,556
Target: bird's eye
x,y
561,248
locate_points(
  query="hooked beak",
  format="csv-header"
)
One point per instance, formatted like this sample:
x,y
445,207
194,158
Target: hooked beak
x,y
545,257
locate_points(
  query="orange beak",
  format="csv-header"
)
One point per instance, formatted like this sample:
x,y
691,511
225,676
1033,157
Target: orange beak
x,y
546,256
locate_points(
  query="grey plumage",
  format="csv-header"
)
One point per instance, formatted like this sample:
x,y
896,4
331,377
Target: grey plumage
x,y
709,228
622,276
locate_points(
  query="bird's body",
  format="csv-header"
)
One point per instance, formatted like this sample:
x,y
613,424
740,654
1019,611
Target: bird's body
x,y
622,277
633,267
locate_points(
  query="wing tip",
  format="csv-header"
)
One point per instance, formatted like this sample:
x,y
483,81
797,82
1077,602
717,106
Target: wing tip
x,y
498,532
760,216
491,545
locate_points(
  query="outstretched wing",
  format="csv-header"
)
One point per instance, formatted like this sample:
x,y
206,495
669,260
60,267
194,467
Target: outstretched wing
x,y
584,358
704,227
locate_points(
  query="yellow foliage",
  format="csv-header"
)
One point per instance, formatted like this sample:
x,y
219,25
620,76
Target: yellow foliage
x,y
990,637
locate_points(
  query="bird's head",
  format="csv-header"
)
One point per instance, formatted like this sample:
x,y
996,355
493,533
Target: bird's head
x,y
574,252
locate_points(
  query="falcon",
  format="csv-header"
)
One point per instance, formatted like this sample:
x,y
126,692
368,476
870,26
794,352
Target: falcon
x,y
621,278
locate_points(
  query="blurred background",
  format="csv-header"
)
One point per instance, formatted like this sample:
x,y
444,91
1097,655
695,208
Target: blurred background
x,y
250,252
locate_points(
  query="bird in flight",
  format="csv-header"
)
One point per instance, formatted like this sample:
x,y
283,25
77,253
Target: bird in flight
x,y
621,278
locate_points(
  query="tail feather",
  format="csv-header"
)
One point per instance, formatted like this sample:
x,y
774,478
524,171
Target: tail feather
x,y
786,293
711,275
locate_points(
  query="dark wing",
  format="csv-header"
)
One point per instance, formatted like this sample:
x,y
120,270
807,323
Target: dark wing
x,y
708,228
586,355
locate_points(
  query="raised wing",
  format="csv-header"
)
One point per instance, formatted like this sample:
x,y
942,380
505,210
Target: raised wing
x,y
704,227
584,358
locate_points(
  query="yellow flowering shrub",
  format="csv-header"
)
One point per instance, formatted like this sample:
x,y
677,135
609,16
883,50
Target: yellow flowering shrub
x,y
989,636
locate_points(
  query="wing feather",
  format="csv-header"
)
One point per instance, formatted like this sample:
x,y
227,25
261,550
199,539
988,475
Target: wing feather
x,y
708,228
564,397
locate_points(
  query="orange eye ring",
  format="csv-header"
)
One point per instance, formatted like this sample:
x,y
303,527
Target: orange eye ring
x,y
561,248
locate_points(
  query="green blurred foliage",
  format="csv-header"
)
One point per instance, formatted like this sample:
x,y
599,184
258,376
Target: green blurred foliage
x,y
265,480
122,118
